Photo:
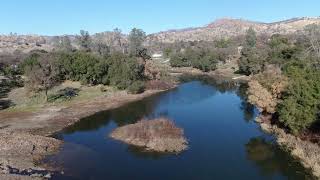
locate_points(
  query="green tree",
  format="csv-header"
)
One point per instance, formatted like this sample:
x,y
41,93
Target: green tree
x,y
251,61
281,50
84,40
136,39
301,102
124,70
222,43
251,37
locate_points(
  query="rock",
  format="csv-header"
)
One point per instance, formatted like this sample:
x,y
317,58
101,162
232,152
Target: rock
x,y
48,176
159,135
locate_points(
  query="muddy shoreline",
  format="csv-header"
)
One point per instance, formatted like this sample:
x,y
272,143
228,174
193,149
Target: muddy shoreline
x,y
25,135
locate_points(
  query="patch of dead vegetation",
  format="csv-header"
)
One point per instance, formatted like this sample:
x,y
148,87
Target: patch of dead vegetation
x,y
159,85
159,135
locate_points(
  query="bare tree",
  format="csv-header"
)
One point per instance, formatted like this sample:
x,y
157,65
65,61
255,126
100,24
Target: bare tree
x,y
313,36
117,38
100,45
44,75
62,43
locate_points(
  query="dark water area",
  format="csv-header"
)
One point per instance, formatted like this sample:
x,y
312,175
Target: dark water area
x,y
225,142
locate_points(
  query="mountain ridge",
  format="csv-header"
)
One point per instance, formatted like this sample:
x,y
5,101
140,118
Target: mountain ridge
x,y
229,27
220,28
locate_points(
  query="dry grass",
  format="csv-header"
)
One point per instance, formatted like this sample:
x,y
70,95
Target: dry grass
x,y
159,85
158,135
28,101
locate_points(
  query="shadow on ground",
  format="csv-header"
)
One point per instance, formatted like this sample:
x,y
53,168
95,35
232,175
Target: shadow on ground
x,y
4,90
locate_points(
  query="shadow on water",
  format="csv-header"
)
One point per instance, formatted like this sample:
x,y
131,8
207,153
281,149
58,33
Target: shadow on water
x,y
142,153
247,108
127,114
271,160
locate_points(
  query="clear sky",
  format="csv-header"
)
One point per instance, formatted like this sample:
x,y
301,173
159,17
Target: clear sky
x,y
53,17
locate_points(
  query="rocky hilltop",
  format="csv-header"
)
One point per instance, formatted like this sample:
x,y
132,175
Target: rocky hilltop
x,y
229,27
12,42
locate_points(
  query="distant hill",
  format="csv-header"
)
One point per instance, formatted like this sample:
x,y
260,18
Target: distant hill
x,y
229,27
220,28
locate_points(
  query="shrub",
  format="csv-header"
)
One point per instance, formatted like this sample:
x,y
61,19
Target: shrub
x,y
179,60
64,94
136,87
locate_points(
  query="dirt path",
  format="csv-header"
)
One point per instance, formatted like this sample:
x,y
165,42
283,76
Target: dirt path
x,y
24,134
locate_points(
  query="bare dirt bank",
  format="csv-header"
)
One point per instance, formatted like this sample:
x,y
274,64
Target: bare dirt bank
x,y
24,135
306,152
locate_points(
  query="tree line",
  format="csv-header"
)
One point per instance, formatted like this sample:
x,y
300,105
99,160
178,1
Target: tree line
x,y
91,62
286,77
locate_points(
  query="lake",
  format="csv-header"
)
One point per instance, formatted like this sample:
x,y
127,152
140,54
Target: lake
x,y
224,140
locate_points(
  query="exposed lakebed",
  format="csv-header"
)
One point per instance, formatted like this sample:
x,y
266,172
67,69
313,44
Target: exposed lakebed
x,y
224,141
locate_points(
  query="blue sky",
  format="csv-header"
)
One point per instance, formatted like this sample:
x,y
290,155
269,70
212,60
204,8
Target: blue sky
x,y
53,17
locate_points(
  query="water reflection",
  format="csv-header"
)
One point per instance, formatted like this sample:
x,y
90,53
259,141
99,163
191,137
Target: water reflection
x,y
273,161
216,120
127,114
132,112
142,153
221,84
247,108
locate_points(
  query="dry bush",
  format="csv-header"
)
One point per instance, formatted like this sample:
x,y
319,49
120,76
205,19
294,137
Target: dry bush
x,y
261,97
265,89
273,80
158,85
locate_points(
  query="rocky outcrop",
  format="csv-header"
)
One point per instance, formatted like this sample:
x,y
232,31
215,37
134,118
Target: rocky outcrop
x,y
159,135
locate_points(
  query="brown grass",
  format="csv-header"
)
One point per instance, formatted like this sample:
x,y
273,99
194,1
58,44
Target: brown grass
x,y
158,85
158,135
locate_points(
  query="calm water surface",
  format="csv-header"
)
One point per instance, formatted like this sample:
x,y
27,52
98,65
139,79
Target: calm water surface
x,y
225,142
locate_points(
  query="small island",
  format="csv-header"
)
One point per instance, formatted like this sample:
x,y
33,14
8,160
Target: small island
x,y
160,135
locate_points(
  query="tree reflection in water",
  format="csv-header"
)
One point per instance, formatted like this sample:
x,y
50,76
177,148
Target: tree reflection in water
x,y
135,111
247,108
273,161
142,153
127,114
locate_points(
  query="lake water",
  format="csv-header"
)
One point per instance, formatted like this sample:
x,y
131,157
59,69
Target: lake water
x,y
225,142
